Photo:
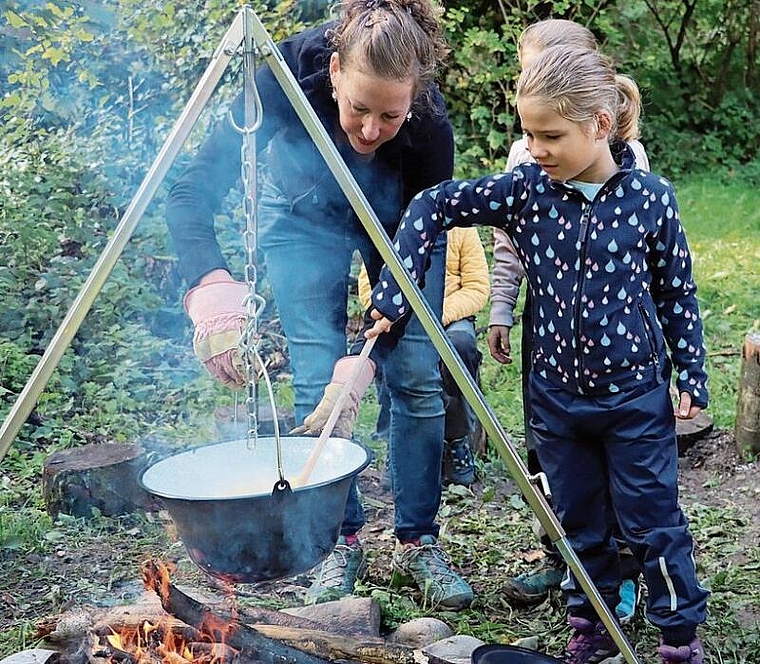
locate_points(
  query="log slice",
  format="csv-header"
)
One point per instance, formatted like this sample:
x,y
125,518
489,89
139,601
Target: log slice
x,y
102,477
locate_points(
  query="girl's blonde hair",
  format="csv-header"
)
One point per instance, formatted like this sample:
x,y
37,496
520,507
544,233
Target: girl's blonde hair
x,y
578,83
555,32
393,39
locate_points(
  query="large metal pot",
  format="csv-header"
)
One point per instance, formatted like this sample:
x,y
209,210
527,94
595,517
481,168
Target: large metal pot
x,y
239,522
503,654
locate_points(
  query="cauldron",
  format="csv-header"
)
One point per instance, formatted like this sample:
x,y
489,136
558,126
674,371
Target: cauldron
x,y
239,522
503,654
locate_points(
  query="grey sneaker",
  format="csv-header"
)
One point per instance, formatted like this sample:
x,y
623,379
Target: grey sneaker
x,y
533,587
426,565
338,573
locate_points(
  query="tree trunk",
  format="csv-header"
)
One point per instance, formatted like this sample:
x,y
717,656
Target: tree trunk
x,y
748,401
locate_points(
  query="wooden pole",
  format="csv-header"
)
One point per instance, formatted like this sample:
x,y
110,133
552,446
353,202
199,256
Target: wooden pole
x,y
748,401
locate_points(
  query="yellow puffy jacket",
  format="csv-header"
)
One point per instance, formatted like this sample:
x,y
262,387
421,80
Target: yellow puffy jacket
x,y
467,278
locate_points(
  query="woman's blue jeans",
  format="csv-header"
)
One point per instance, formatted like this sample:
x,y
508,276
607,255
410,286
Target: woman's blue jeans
x,y
308,261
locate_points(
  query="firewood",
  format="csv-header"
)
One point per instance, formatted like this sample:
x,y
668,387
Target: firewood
x,y
276,640
337,646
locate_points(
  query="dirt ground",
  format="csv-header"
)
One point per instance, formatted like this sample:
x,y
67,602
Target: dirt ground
x,y
486,530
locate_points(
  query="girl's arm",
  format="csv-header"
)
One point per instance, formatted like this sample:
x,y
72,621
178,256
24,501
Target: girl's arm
x,y
674,293
487,201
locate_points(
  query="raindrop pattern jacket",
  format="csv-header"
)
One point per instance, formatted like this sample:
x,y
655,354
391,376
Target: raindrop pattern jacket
x,y
611,279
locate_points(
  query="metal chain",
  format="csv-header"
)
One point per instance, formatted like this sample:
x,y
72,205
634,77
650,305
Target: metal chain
x,y
254,303
250,340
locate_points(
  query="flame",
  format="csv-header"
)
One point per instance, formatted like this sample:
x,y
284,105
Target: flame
x,y
161,641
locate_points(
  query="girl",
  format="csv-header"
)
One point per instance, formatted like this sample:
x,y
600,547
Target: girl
x,y
532,587
370,77
609,273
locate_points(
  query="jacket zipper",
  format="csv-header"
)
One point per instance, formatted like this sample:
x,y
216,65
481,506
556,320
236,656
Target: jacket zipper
x,y
650,340
582,238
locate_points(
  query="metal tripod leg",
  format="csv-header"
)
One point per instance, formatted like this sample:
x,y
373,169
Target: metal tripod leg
x,y
27,399
41,375
432,326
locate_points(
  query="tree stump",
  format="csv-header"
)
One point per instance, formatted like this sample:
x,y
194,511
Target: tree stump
x,y
689,432
748,401
103,477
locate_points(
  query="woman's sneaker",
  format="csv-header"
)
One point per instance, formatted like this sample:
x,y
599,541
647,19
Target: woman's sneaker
x,y
337,575
424,563
591,642
691,654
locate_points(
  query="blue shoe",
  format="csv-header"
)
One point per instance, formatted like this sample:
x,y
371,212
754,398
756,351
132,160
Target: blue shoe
x,y
458,463
533,587
629,599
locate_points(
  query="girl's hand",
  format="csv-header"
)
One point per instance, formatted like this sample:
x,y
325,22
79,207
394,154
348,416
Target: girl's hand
x,y
498,344
382,325
685,410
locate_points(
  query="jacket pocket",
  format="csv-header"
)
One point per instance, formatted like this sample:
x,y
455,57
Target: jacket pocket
x,y
651,337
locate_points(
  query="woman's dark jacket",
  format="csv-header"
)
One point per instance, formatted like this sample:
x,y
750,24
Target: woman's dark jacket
x,y
420,155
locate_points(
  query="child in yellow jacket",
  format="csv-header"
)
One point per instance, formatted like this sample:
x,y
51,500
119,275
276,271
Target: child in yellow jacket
x,y
466,292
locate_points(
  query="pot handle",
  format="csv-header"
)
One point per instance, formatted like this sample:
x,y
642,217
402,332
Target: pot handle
x,y
281,489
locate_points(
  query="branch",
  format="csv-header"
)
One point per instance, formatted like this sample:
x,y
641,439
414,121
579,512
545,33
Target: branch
x,y
272,643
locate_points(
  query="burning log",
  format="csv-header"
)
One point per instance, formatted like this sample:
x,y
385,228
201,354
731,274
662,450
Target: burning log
x,y
271,643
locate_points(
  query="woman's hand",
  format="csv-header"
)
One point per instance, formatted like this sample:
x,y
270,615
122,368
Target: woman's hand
x,y
382,325
216,307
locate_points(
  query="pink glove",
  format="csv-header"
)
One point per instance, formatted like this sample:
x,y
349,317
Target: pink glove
x,y
315,421
216,309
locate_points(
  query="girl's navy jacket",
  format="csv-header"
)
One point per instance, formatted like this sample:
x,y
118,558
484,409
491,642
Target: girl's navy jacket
x,y
610,279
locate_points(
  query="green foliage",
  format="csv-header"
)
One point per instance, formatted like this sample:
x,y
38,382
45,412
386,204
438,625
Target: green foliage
x,y
697,66
478,86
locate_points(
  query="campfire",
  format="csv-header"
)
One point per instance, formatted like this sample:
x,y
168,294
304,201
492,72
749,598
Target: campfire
x,y
165,640
183,630
163,643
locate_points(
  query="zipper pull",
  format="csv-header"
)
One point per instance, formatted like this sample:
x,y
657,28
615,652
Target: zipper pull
x,y
582,232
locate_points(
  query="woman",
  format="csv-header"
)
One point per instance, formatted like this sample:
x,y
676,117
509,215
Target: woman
x,y
370,78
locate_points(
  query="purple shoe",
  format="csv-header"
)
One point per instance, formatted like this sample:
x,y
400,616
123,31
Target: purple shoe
x,y
591,642
691,654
